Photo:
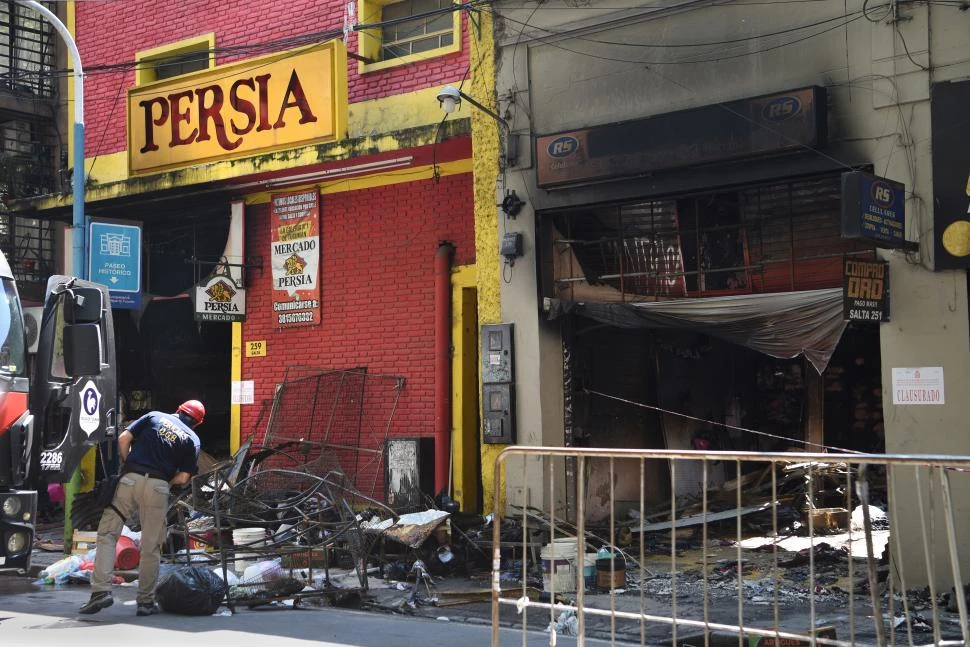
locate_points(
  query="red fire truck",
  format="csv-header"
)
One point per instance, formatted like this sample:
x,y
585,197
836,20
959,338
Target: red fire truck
x,y
49,420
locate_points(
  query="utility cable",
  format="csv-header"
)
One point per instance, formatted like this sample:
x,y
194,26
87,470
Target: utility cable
x,y
720,424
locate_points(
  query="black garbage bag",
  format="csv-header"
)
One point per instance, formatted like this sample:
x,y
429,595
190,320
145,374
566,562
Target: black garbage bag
x,y
191,591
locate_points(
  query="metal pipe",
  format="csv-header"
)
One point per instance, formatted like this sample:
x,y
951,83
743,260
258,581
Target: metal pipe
x,y
77,233
442,364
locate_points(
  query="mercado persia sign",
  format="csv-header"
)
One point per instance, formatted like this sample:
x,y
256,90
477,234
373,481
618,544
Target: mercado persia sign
x,y
295,257
219,299
257,105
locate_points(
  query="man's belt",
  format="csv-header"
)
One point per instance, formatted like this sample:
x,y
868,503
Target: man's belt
x,y
144,471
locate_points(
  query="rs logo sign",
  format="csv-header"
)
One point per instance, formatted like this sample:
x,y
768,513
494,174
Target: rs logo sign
x,y
882,194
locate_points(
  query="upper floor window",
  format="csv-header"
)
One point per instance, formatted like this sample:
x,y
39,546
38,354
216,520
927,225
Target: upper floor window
x,y
26,50
410,31
175,59
775,237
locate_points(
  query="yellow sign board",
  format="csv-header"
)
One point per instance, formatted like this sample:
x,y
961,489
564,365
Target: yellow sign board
x,y
256,348
254,106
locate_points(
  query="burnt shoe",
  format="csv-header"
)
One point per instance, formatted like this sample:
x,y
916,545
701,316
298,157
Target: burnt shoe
x,y
147,609
99,600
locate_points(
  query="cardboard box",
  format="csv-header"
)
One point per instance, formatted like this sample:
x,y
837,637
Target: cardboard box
x,y
829,518
309,558
83,541
766,641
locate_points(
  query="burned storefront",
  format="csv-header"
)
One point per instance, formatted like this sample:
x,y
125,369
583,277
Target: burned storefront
x,y
712,318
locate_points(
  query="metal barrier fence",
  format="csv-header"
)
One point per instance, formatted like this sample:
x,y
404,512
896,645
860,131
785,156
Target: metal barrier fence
x,y
731,548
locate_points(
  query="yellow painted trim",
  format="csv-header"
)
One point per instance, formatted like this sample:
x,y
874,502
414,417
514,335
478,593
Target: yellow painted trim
x,y
235,375
369,40
370,181
110,168
205,42
486,153
464,396
397,113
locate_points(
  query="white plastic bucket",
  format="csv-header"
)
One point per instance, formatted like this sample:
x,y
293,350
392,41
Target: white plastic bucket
x,y
559,565
243,539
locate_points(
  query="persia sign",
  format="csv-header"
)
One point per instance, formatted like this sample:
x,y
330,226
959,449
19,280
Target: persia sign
x,y
295,254
219,299
257,105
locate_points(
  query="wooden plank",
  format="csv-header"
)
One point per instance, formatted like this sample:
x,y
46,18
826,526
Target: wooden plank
x,y
700,519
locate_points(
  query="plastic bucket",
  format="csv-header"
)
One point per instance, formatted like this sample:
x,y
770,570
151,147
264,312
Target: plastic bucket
x,y
247,539
127,554
611,572
559,565
589,570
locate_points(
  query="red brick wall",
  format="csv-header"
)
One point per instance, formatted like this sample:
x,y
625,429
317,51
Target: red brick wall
x,y
110,33
377,289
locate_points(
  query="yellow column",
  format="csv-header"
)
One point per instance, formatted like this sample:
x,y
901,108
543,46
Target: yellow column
x,y
485,153
235,375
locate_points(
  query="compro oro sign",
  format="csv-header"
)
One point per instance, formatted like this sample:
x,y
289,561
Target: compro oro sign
x,y
253,106
219,299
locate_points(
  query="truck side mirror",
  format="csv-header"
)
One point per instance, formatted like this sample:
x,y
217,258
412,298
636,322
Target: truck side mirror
x,y
84,306
82,349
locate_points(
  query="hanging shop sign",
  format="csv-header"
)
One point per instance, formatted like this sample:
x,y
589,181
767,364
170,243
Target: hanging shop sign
x,y
865,290
767,125
219,299
951,175
874,209
115,261
251,106
918,386
295,256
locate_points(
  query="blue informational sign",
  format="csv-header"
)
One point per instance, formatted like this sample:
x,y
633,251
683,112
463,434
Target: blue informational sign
x,y
115,261
874,208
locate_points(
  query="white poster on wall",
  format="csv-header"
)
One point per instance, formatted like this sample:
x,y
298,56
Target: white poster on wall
x,y
918,386
241,392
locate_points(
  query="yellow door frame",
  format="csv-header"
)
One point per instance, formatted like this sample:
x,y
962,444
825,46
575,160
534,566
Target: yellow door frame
x,y
465,446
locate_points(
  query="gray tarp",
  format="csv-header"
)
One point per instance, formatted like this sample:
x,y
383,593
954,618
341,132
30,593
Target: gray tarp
x,y
784,325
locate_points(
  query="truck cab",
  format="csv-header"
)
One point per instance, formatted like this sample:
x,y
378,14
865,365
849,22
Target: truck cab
x,y
50,420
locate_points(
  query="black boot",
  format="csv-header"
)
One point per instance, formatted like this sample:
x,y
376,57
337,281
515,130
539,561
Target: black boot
x,y
99,600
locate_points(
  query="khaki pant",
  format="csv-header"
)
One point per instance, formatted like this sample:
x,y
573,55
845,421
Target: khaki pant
x,y
150,497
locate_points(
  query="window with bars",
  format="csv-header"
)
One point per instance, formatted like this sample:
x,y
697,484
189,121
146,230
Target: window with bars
x,y
783,236
26,50
28,152
28,244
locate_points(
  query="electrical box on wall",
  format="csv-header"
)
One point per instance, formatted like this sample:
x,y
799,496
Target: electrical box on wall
x,y
498,424
496,353
498,384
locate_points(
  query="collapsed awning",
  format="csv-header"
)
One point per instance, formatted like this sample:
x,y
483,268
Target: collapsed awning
x,y
783,325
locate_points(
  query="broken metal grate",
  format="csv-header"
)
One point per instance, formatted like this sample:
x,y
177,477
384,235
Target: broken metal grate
x,y
334,421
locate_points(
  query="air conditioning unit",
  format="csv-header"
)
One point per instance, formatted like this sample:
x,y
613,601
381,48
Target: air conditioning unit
x,y
32,319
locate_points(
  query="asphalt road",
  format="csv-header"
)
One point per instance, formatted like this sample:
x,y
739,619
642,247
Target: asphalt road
x,y
42,617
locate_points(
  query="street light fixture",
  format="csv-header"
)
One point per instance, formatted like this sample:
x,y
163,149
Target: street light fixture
x,y
450,98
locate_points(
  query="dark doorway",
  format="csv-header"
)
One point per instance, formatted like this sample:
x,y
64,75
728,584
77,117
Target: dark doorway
x,y
165,356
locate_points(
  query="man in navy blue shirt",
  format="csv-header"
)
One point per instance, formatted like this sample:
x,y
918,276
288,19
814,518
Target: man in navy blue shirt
x,y
159,450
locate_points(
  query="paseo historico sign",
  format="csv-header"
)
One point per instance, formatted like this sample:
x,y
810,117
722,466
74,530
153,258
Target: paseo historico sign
x,y
295,257
257,105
